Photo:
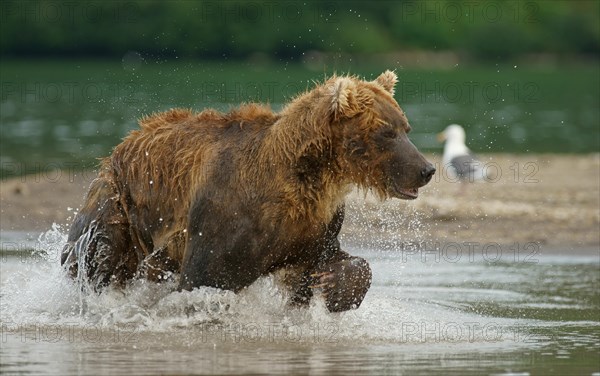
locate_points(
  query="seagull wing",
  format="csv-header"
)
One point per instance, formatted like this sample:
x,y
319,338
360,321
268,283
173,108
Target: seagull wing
x,y
466,167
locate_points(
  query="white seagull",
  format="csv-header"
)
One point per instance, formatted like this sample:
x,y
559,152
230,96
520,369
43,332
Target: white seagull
x,y
458,160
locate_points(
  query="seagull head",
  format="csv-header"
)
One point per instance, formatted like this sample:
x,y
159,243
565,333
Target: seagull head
x,y
453,133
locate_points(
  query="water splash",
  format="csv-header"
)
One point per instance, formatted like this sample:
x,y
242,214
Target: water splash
x,y
40,293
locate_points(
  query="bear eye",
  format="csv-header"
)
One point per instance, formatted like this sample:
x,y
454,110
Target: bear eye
x,y
389,133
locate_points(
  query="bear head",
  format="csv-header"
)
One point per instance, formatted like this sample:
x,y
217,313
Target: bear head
x,y
373,148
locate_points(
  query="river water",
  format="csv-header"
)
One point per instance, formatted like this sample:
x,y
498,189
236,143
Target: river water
x,y
64,114
426,313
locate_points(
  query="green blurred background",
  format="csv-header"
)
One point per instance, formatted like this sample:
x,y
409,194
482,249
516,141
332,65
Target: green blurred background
x,y
521,76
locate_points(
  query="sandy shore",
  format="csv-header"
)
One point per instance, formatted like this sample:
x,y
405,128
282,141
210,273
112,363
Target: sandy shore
x,y
550,200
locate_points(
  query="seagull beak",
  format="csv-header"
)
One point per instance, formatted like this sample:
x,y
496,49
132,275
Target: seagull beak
x,y
441,137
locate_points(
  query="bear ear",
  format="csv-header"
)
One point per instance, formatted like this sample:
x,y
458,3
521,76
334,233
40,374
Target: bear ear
x,y
343,98
388,80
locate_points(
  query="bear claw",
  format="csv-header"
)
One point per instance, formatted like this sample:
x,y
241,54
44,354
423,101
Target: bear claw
x,y
324,280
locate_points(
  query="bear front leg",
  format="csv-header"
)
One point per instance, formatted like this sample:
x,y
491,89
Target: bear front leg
x,y
343,279
99,248
344,282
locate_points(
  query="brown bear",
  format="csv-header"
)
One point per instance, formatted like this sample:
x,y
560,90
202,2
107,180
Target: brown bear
x,y
222,199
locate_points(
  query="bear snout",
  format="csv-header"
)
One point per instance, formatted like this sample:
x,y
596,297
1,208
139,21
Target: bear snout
x,y
427,173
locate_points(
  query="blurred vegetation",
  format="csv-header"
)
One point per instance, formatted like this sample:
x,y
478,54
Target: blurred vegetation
x,y
482,30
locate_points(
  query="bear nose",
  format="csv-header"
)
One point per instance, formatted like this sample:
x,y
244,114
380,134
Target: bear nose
x,y
427,172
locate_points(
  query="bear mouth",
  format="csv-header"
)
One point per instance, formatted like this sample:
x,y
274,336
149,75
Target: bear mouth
x,y
407,193
402,193
395,190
